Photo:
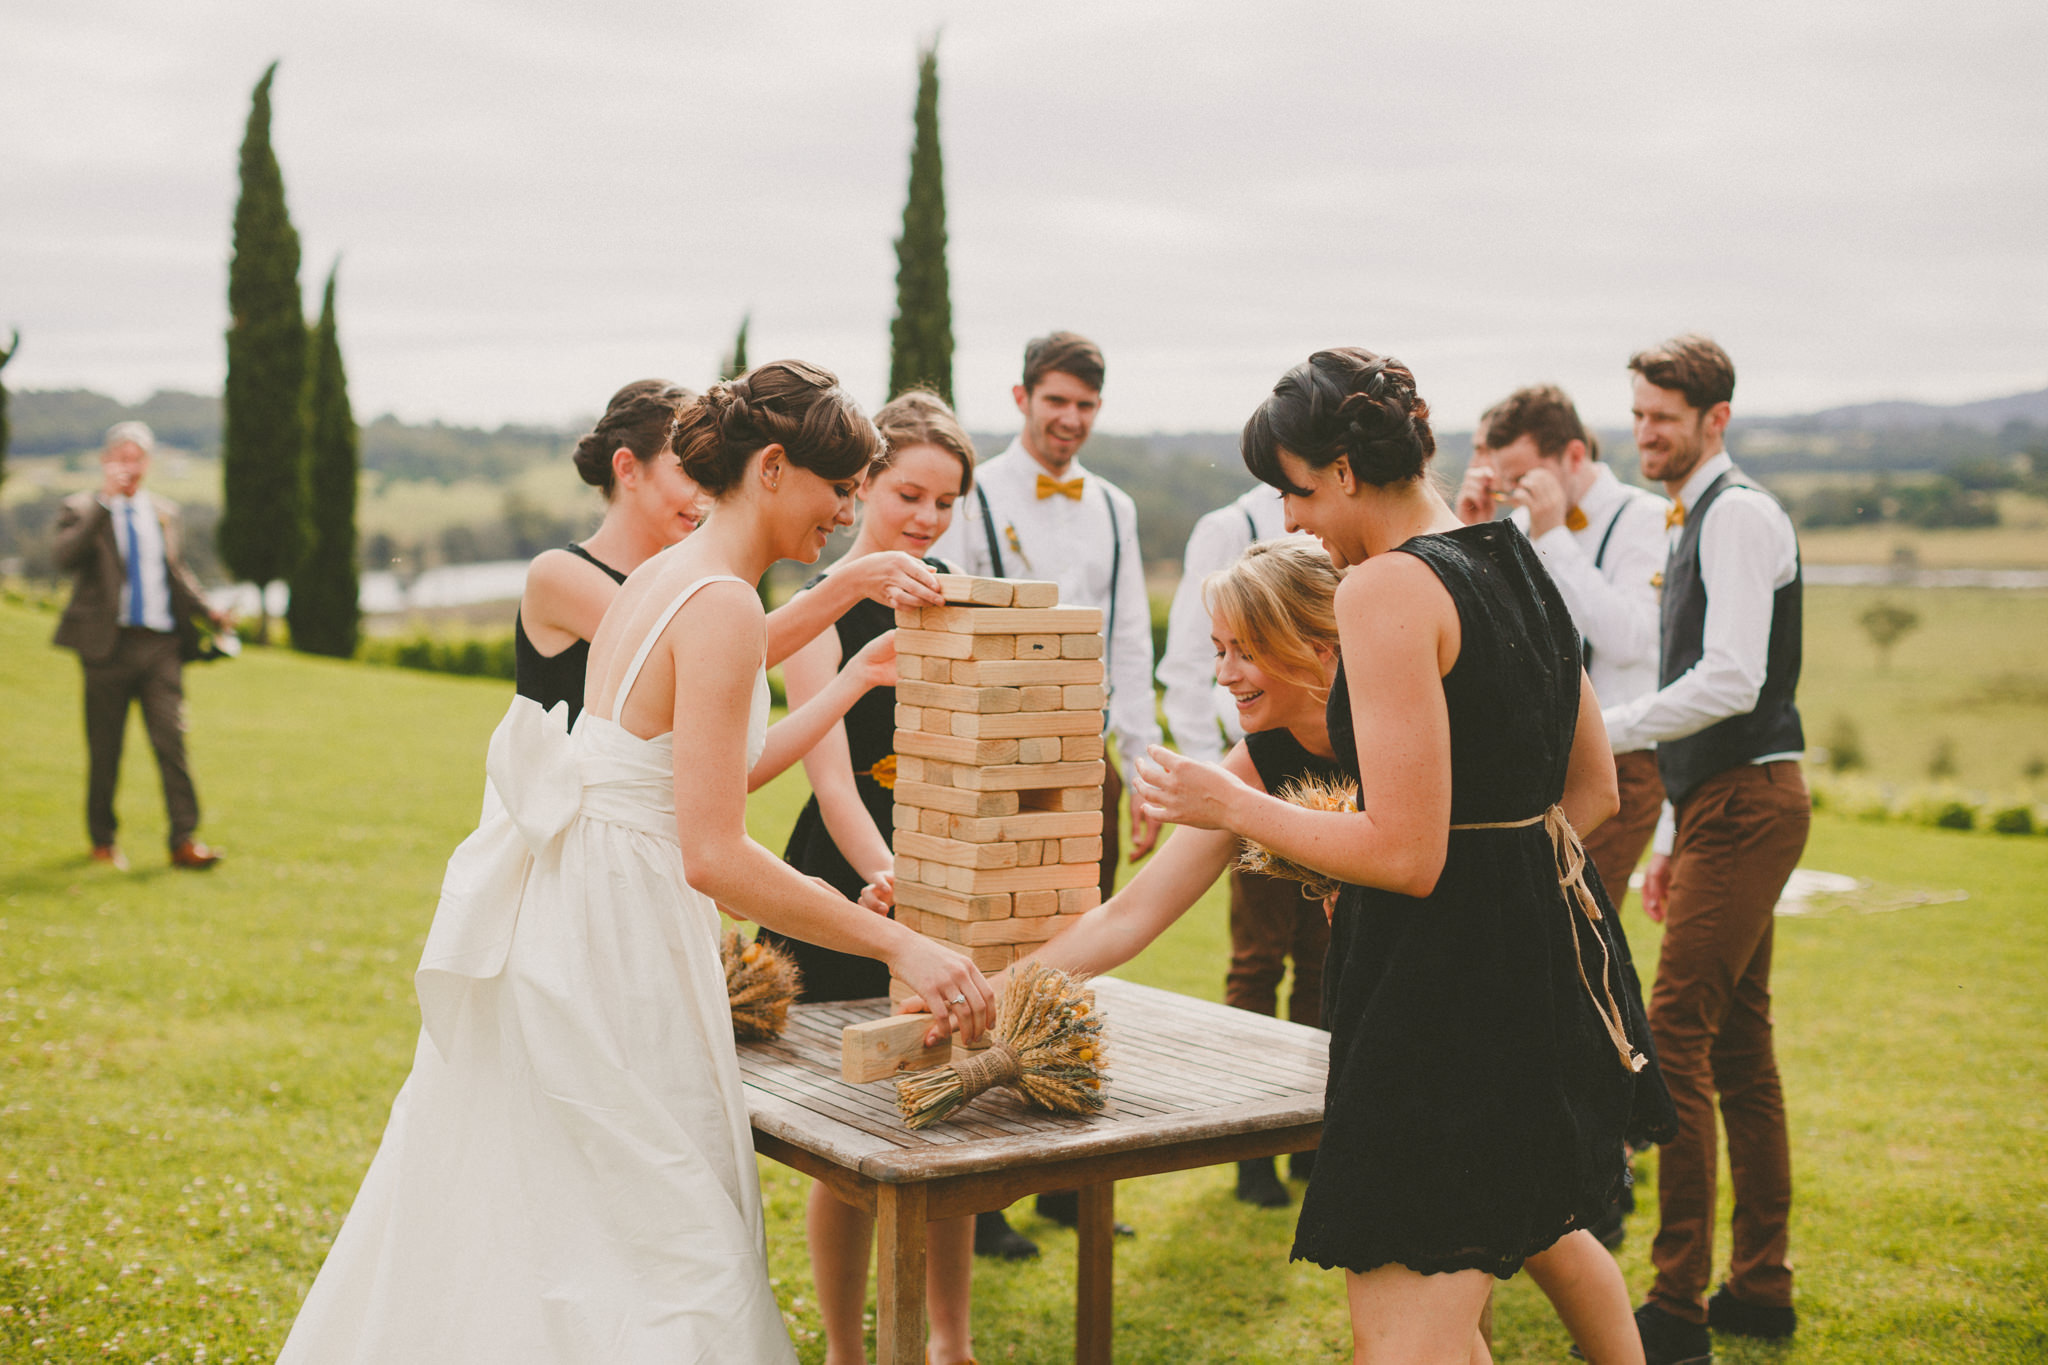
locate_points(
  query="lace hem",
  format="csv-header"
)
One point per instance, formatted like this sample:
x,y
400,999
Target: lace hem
x,y
1502,1265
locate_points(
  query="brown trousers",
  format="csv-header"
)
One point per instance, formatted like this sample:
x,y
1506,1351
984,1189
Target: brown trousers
x,y
1270,921
1617,845
144,667
1739,837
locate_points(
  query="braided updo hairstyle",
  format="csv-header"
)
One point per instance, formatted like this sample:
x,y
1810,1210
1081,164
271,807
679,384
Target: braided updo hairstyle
x,y
637,419
785,402
1342,402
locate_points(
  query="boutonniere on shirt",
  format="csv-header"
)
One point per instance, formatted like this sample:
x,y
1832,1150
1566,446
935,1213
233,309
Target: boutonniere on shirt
x,y
1016,546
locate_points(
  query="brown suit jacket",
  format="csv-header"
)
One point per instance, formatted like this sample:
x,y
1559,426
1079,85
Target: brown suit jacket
x,y
85,548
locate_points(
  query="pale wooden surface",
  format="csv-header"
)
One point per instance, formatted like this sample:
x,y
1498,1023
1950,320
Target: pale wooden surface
x,y
1180,1070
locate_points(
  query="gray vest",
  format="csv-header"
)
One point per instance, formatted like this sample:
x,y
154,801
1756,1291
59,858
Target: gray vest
x,y
1772,727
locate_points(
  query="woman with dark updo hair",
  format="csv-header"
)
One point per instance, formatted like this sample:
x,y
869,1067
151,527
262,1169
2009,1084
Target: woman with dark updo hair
x,y
1488,1052
568,1174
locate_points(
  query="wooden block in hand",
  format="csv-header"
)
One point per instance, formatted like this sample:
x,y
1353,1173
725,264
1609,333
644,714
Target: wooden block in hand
x,y
1063,798
1030,594
980,592
1079,646
877,1049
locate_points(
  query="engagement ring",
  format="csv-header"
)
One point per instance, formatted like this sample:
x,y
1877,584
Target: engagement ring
x,y
957,1000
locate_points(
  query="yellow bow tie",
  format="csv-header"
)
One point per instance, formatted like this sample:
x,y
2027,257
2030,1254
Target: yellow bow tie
x,y
1574,520
1048,485
1675,517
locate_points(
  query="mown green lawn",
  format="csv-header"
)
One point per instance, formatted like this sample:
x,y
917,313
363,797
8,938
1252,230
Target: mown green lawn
x,y
194,1069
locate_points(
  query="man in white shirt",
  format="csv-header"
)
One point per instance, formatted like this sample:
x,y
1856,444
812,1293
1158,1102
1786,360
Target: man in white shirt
x,y
1728,739
1603,542
1198,709
131,620
1037,512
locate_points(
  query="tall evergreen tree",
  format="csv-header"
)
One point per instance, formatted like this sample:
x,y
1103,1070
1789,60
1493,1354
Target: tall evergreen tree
x,y
921,337
323,613
5,433
736,361
263,437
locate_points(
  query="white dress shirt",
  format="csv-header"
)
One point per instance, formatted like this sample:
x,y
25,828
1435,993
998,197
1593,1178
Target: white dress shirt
x,y
1068,542
1748,550
1614,604
1195,702
148,548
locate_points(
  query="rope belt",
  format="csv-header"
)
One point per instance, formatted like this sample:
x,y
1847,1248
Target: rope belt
x,y
1571,878
997,1065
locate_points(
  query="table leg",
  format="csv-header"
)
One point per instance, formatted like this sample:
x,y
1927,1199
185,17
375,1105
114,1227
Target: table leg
x,y
1096,1259
899,1297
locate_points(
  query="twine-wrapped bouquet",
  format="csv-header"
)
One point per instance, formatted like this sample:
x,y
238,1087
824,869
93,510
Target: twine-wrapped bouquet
x,y
760,981
1046,1045
1315,793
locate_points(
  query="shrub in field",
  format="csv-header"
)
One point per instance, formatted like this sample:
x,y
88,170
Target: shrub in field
x,y
2014,820
1955,815
466,656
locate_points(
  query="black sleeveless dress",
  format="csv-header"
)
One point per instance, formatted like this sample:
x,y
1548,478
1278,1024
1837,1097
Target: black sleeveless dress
x,y
1476,1105
1281,759
552,678
870,740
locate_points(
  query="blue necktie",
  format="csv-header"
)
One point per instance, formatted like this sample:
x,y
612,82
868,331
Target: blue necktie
x,y
134,566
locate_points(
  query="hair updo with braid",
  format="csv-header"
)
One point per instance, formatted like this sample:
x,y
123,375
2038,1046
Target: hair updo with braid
x,y
637,419
785,402
1345,402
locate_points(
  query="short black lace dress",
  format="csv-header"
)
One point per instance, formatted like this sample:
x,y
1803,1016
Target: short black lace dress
x,y
1478,1097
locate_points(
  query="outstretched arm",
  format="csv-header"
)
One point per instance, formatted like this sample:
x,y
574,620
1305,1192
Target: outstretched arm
x,y
890,577
816,710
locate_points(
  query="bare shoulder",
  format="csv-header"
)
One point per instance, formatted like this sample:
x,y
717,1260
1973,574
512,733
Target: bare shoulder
x,y
558,570
1391,582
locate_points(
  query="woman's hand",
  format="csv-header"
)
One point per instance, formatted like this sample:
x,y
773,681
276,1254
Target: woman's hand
x,y
935,972
894,579
879,895
1183,791
875,664
914,1004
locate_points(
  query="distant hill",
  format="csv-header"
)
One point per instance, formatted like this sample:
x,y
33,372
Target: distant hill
x,y
1986,414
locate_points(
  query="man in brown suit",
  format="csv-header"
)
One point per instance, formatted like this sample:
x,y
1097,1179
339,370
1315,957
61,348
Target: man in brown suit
x,y
131,621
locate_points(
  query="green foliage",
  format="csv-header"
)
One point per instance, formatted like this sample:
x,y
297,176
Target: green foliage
x,y
324,616
921,336
262,528
6,435
465,656
736,360
1845,746
1956,815
1886,623
2013,820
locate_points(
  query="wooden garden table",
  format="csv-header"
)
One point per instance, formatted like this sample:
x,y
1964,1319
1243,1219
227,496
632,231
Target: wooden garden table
x,y
1190,1084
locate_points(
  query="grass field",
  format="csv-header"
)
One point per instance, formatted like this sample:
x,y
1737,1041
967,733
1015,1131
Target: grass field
x,y
194,1069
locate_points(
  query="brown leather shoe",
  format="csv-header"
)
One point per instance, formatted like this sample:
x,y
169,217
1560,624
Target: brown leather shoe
x,y
194,854
111,855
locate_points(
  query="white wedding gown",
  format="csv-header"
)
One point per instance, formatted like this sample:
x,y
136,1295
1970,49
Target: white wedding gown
x,y
568,1174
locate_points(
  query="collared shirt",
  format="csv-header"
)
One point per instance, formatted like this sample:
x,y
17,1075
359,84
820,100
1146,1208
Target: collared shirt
x,y
147,550
1065,541
1195,703
1748,550
1615,604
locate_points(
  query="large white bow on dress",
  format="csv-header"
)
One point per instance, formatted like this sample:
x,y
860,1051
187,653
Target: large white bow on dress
x,y
535,789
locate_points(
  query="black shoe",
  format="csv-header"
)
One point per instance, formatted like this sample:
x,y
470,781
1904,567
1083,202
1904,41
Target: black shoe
x,y
1726,1313
1301,1165
993,1236
1064,1207
1257,1184
1670,1340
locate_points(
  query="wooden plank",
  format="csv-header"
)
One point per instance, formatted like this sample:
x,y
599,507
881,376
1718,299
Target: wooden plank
x,y
991,881
950,905
997,776
879,1048
909,666
1094,1273
1022,672
1081,748
1078,646
939,644
909,618
1034,904
959,853
1030,593
911,718
946,697
982,592
993,957
912,769
899,1296
1084,697
1063,798
1023,724
1079,900
1080,849
1031,852
1038,647
907,869
1014,930
1037,825
1008,620
1041,698
937,823
995,754
977,805
1042,749
937,670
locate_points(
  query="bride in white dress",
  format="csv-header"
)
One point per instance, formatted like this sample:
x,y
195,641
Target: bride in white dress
x,y
568,1175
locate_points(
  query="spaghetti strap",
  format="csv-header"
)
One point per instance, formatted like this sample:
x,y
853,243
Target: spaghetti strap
x,y
660,625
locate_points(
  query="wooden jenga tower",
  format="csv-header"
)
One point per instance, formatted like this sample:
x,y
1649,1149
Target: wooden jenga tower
x,y
999,767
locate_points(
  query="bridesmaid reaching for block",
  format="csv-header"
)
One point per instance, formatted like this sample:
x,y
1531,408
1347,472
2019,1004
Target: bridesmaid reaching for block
x,y
844,834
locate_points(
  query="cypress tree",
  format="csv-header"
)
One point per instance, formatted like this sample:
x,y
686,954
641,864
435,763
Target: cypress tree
x,y
263,435
921,337
324,616
6,433
736,363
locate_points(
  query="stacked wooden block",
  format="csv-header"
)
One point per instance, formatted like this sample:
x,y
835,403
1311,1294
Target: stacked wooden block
x,y
999,767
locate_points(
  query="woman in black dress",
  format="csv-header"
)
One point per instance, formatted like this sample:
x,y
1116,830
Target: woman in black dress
x,y
1486,1056
844,835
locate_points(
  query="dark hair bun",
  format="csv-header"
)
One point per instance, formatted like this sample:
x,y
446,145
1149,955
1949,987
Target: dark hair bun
x,y
1345,402
636,419
785,402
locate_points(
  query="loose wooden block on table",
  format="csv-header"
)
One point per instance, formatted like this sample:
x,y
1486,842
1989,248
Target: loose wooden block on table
x,y
877,1049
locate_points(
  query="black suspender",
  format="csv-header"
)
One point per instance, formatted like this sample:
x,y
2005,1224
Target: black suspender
x,y
1250,524
988,528
1628,497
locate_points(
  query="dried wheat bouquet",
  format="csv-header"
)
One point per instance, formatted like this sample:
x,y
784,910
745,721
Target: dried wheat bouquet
x,y
1316,793
1046,1044
760,981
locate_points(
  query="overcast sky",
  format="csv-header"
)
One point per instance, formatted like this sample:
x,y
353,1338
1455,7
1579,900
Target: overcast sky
x,y
535,202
